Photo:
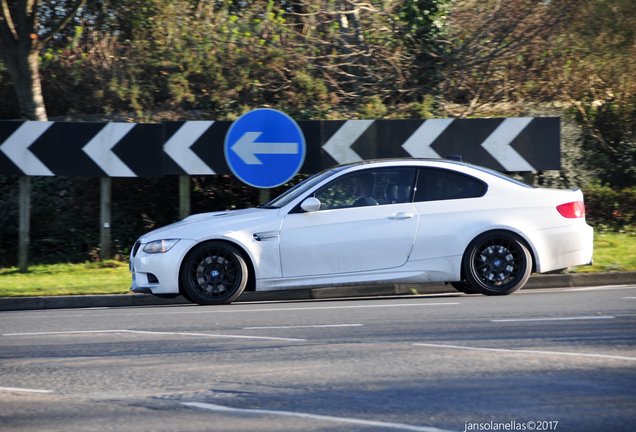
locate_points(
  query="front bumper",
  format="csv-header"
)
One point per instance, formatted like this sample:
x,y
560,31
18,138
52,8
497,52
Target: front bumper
x,y
158,273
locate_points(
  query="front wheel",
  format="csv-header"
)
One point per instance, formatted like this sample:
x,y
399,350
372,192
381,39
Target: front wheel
x,y
213,273
497,263
464,287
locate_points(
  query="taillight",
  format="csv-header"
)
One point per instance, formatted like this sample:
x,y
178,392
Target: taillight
x,y
572,210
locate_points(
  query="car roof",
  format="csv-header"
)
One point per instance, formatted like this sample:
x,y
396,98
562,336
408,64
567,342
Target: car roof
x,y
478,170
405,160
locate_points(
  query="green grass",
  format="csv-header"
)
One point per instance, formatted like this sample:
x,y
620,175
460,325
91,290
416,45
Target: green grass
x,y
108,277
612,252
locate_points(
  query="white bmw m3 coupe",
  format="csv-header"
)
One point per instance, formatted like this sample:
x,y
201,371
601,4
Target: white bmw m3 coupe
x,y
372,222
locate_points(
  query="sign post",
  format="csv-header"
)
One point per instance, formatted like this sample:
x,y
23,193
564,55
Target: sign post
x,y
25,227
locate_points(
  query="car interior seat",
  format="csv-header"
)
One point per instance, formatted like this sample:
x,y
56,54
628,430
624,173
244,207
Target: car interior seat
x,y
391,193
403,193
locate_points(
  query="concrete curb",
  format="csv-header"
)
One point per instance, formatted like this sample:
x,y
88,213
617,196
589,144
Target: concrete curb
x,y
132,300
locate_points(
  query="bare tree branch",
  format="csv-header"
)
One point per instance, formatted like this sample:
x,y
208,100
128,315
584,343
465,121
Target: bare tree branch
x,y
57,27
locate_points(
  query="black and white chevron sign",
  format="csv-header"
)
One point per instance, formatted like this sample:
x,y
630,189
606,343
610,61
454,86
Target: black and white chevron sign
x,y
511,144
196,147
81,149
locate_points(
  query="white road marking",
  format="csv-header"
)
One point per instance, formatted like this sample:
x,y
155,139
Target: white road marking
x,y
597,317
305,326
348,420
23,390
602,288
294,309
515,351
565,289
154,333
193,309
12,318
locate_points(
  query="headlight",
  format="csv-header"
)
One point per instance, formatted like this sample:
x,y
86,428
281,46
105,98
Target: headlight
x,y
160,246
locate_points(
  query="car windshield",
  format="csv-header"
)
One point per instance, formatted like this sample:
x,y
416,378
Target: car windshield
x,y
300,188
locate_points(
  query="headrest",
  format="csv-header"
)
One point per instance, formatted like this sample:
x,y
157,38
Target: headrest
x,y
404,193
391,192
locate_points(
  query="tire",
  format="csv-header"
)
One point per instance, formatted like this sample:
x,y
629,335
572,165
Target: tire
x,y
186,296
464,287
497,263
213,273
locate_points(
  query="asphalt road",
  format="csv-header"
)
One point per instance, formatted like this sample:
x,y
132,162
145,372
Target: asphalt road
x,y
558,359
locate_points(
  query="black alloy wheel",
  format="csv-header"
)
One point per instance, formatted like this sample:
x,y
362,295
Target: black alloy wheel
x,y
213,273
497,263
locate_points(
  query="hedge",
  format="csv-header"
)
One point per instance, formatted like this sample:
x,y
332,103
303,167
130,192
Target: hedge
x,y
65,212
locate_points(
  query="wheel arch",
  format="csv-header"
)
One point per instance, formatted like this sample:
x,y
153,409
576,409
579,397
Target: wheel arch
x,y
251,274
522,239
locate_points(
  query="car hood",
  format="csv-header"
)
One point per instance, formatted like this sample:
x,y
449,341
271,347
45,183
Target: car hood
x,y
194,226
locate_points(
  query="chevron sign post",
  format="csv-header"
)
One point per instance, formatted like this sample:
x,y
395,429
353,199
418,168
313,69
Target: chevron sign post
x,y
197,147
77,149
81,149
511,144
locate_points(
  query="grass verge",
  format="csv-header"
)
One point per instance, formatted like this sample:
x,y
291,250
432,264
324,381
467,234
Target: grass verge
x,y
107,277
612,252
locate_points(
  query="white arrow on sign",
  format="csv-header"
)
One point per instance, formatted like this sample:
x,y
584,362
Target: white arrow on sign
x,y
419,143
247,148
339,145
498,144
100,149
178,147
16,147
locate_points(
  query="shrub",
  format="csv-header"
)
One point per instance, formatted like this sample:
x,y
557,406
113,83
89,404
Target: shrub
x,y
610,208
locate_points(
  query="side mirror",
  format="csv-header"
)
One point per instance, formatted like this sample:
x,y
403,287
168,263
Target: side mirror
x,y
310,204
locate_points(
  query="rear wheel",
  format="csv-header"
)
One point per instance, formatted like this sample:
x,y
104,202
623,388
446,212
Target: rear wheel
x,y
213,273
497,263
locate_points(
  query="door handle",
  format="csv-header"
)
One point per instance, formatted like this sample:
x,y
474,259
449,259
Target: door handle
x,y
401,215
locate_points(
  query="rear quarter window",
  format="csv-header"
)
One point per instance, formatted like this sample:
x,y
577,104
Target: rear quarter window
x,y
439,184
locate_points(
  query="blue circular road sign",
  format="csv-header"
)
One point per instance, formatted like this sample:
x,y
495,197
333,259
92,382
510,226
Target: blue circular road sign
x,y
264,148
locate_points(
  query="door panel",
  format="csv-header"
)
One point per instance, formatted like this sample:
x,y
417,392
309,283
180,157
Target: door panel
x,y
347,239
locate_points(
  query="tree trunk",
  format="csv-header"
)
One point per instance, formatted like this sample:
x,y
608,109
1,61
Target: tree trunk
x,y
20,46
22,65
27,85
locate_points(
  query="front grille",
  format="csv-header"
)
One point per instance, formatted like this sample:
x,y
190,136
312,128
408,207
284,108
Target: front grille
x,y
135,248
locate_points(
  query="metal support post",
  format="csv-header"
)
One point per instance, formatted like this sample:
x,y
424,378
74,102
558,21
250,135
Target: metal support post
x,y
105,219
529,178
265,196
24,224
184,196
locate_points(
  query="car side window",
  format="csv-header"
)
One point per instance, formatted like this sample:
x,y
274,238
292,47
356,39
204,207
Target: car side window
x,y
368,187
439,184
